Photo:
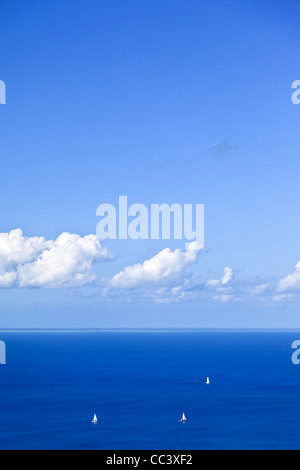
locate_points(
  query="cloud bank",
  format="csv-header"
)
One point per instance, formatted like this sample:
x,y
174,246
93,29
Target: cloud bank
x,y
68,261
164,278
37,262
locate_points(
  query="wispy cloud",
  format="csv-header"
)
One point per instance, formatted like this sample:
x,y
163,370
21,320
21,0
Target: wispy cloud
x,y
219,151
223,149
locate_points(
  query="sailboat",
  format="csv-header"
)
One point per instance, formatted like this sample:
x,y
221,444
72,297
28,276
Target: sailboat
x,y
183,419
95,419
207,381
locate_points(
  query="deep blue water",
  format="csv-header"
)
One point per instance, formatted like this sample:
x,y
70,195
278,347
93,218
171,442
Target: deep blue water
x,y
139,384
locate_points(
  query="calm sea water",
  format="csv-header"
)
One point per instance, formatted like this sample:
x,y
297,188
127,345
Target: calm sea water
x,y
139,384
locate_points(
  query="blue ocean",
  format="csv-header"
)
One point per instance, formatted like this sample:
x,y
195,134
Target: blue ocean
x,y
140,383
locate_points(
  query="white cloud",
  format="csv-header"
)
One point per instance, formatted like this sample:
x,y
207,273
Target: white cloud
x,y
282,297
227,277
290,283
15,248
221,288
37,262
167,268
7,279
224,298
260,288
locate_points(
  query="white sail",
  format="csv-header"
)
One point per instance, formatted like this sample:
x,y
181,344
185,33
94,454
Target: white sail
x,y
207,381
183,417
95,419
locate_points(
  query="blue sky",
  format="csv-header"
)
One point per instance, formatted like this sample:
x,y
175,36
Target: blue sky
x,y
106,98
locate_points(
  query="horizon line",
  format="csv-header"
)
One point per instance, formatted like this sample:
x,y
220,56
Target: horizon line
x,y
148,330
